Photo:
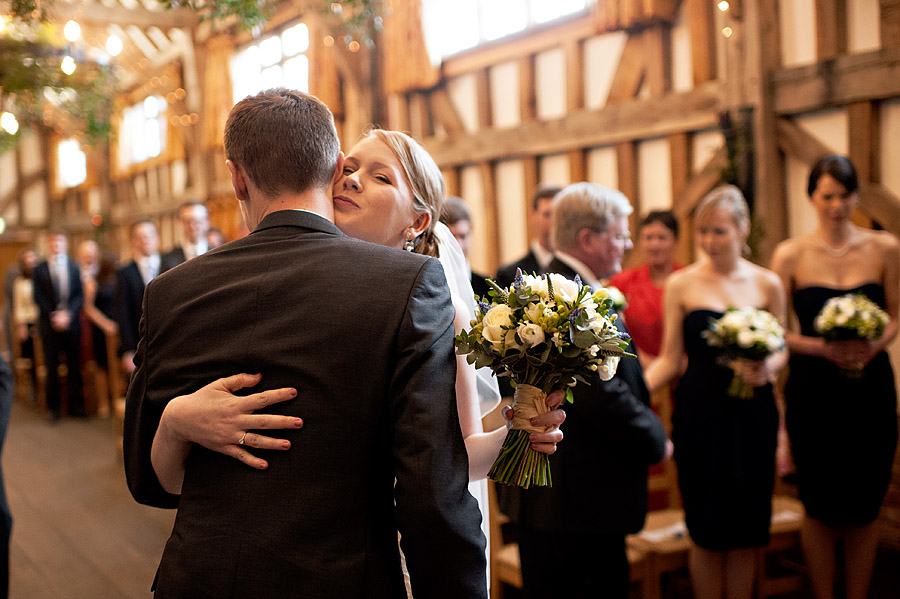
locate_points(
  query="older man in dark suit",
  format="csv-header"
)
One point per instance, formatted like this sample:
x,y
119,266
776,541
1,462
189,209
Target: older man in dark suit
x,y
59,295
365,335
599,491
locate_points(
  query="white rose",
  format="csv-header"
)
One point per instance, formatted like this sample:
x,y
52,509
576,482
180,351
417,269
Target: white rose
x,y
746,338
530,334
566,289
498,317
608,368
538,285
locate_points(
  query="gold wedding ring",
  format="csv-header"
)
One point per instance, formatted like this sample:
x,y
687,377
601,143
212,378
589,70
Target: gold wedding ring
x,y
241,442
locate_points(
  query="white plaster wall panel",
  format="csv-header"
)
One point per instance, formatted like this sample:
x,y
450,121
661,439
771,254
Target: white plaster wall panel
x,y
601,59
798,32
165,182
30,150
890,146
179,177
471,190
153,185
7,172
34,204
654,175
505,95
603,167
550,78
463,92
11,214
705,146
93,200
512,210
829,127
801,215
682,65
863,25
554,169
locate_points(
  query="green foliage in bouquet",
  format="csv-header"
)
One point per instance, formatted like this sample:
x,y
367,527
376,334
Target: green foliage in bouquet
x,y
851,316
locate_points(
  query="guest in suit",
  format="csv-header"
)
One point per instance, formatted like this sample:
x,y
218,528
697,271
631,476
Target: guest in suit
x,y
458,219
194,219
599,492
131,280
59,296
541,253
380,450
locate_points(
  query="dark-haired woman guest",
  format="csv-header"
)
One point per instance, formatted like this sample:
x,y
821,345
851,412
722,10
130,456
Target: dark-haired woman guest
x,y
843,429
643,285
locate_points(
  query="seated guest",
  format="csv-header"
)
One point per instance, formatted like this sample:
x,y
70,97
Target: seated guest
x,y
195,222
540,254
130,283
643,285
24,310
458,219
59,296
599,491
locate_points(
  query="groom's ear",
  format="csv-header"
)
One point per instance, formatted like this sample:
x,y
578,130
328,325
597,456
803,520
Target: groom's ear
x,y
338,170
238,180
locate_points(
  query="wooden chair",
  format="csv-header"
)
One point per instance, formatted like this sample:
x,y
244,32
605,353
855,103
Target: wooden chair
x,y
506,567
23,367
787,517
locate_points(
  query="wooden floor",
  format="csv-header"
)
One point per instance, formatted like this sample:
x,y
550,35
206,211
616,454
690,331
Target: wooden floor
x,y
77,533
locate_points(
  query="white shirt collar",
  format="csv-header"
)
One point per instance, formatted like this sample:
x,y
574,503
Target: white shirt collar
x,y
543,255
192,250
586,274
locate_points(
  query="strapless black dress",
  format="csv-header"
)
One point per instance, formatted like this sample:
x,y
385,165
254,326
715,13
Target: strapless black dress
x,y
724,448
843,429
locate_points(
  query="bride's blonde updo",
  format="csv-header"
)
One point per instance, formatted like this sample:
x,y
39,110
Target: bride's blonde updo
x,y
424,179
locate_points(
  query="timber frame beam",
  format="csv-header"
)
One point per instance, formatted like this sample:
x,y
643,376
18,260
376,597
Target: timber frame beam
x,y
615,123
837,81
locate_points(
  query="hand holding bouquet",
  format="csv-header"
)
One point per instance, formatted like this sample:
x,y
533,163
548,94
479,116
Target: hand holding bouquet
x,y
744,334
851,317
545,333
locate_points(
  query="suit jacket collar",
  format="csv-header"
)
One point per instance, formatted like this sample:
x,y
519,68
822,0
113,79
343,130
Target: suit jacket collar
x,y
297,218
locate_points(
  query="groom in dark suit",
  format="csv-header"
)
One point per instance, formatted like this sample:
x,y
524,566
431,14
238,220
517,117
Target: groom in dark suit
x,y
365,335
599,491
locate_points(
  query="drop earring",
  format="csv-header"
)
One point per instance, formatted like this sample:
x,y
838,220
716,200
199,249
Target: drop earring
x,y
409,245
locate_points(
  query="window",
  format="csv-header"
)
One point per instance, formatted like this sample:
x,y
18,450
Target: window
x,y
276,61
72,164
143,132
452,27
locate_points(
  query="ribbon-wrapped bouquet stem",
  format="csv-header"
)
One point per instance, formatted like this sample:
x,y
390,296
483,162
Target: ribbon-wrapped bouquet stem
x,y
545,333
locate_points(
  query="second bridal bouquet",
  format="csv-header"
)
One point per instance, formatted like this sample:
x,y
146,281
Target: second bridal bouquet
x,y
848,317
745,334
545,333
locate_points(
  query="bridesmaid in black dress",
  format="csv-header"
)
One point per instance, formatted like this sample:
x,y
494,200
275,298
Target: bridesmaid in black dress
x,y
843,429
724,446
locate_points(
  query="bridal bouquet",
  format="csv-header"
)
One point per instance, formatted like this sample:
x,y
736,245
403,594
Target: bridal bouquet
x,y
544,333
848,317
619,302
744,334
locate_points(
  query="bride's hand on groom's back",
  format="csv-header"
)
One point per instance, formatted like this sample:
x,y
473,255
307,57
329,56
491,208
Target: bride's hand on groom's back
x,y
216,418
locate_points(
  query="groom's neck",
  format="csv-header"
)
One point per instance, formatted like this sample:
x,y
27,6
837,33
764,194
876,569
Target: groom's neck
x,y
317,201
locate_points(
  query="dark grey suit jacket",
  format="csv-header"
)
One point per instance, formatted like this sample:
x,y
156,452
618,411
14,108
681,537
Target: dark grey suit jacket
x,y
47,301
172,258
528,263
600,470
127,303
365,334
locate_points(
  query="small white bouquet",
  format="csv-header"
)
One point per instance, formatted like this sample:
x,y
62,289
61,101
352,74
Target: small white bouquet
x,y
744,334
545,333
619,301
851,316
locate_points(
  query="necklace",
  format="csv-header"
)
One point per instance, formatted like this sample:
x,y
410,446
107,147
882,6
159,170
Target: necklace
x,y
841,251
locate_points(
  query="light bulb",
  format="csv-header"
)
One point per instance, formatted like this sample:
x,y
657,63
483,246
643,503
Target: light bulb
x,y
723,5
68,65
114,45
72,31
9,123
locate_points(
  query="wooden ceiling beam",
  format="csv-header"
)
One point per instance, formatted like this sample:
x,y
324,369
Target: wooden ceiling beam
x,y
139,17
839,81
623,121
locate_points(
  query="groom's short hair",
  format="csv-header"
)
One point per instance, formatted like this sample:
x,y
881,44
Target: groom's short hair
x,y
284,140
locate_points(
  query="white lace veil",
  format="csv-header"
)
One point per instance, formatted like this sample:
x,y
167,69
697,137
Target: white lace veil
x,y
459,278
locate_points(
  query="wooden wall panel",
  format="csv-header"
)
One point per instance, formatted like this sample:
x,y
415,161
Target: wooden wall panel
x,y
527,88
890,23
831,28
701,22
